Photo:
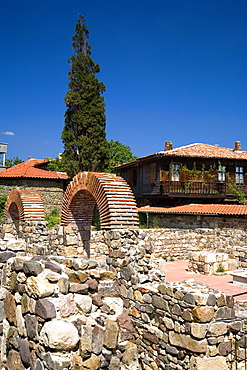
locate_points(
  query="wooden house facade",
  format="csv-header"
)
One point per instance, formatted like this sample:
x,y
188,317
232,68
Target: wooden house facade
x,y
200,173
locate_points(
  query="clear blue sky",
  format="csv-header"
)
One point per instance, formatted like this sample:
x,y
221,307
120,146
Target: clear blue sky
x,y
173,70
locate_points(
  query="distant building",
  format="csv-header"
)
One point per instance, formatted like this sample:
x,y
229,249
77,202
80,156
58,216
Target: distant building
x,y
29,175
3,151
198,173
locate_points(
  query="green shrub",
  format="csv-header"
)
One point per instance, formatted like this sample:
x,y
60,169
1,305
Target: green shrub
x,y
53,218
220,268
3,199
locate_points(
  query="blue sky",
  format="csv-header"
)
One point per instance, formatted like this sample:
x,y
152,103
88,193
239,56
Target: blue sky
x,y
173,71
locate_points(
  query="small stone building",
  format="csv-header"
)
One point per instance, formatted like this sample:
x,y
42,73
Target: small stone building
x,y
27,175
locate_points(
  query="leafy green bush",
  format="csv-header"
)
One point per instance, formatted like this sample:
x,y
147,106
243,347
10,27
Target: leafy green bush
x,y
53,218
220,268
3,199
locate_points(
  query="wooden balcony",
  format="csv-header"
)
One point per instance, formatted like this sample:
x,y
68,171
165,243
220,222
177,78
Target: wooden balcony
x,y
193,189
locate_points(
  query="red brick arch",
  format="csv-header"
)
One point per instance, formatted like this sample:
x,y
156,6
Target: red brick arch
x,y
113,196
24,205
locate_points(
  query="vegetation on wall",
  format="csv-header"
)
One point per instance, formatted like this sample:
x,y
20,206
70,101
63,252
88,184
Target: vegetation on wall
x,y
84,136
3,199
53,218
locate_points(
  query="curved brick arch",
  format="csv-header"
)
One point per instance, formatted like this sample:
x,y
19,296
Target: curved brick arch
x,y
24,205
111,193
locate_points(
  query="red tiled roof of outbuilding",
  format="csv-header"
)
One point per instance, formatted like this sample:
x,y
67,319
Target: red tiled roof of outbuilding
x,y
24,169
207,209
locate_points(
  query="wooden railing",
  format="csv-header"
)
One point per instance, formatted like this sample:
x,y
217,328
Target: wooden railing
x,y
193,188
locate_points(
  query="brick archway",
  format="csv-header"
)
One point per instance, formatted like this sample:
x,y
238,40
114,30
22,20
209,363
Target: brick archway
x,y
24,205
114,198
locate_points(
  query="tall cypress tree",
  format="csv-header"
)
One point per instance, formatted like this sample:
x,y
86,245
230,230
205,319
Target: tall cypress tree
x,y
84,136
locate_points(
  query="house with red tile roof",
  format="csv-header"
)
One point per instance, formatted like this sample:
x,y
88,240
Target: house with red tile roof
x,y
200,173
27,175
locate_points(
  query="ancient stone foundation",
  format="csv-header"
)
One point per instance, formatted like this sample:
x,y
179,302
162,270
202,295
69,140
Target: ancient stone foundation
x,y
111,312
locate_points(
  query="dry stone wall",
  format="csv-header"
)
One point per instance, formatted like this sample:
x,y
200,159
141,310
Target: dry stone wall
x,y
113,312
166,243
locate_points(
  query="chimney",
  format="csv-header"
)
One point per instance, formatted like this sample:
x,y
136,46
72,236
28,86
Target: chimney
x,y
168,146
237,146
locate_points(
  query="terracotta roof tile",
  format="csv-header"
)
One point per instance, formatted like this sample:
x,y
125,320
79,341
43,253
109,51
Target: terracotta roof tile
x,y
33,162
205,151
207,209
25,170
197,150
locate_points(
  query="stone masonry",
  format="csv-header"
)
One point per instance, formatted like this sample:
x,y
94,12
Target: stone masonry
x,y
111,312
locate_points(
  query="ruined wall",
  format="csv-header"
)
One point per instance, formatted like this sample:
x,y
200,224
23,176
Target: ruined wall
x,y
166,243
113,312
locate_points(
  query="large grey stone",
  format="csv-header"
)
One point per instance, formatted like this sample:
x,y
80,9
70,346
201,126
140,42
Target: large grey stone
x,y
59,335
32,267
57,361
225,313
5,256
205,363
160,303
32,326
217,329
45,309
185,341
24,351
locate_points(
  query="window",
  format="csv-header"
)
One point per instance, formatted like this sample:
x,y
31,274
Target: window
x,y
222,173
175,172
153,176
239,175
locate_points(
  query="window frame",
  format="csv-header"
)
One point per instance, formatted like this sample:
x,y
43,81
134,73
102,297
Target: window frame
x,y
239,175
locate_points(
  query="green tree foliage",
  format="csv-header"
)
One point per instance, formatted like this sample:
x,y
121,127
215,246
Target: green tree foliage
x,y
56,165
84,137
10,162
119,154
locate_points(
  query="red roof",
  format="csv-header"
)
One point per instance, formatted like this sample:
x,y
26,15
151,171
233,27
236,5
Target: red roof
x,y
197,150
33,161
206,151
24,169
207,209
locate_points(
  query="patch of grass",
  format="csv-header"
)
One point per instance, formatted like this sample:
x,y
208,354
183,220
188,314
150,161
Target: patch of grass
x,y
171,259
53,218
220,268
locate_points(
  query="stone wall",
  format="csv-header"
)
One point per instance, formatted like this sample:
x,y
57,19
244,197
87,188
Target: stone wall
x,y
193,221
51,191
114,312
166,243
